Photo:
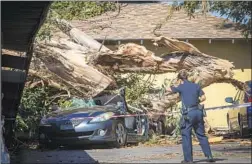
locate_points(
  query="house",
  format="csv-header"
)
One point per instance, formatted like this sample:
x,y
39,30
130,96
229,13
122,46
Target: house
x,y
209,34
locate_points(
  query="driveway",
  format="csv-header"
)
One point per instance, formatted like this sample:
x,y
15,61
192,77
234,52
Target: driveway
x,y
224,153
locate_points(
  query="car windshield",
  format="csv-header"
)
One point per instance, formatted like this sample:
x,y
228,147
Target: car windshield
x,y
107,100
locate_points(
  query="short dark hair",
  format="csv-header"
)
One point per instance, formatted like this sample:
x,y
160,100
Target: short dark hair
x,y
183,74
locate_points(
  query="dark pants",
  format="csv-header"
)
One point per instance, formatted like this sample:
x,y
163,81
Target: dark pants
x,y
194,120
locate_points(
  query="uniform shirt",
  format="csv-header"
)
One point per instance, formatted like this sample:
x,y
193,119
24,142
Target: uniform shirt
x,y
189,93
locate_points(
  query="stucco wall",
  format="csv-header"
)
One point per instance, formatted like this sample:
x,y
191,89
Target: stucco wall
x,y
239,53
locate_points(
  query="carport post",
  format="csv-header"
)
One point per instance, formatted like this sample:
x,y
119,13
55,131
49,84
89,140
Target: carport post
x,y
1,91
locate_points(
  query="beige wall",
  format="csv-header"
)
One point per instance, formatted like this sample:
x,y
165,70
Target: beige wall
x,y
239,53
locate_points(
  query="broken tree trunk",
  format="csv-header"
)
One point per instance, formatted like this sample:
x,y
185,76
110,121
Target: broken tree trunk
x,y
83,66
203,69
62,62
79,36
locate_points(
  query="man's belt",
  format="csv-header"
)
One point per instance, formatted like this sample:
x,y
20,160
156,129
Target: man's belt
x,y
192,108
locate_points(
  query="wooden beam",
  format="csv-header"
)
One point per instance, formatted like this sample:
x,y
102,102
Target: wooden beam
x,y
11,95
12,90
13,76
14,62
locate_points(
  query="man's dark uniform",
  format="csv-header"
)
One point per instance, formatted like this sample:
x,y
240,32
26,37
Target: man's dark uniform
x,y
193,118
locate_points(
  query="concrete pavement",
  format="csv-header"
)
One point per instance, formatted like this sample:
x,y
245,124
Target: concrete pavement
x,y
223,153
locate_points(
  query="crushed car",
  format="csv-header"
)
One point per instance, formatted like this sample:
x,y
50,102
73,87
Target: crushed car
x,y
100,123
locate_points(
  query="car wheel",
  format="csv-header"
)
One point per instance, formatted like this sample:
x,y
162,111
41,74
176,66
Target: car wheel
x,y
45,144
151,133
229,125
121,135
159,128
147,128
48,146
241,129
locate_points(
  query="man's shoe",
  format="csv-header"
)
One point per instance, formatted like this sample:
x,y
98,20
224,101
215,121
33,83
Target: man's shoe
x,y
186,161
210,159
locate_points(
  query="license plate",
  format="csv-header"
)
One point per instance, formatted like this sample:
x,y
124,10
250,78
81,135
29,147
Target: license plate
x,y
66,127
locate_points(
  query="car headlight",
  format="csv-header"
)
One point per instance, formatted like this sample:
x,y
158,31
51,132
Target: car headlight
x,y
102,117
43,121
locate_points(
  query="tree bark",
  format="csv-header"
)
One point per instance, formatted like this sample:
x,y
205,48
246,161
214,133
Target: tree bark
x,y
79,36
84,66
65,64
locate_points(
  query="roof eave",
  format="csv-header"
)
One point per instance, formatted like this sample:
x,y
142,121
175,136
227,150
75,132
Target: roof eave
x,y
139,39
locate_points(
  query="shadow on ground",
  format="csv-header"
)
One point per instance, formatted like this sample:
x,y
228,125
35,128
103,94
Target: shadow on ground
x,y
246,149
60,155
205,160
87,147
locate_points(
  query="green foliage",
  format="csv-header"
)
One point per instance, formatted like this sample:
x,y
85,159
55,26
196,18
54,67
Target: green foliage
x,y
238,11
21,125
45,31
36,103
72,10
191,7
174,120
33,106
64,103
137,86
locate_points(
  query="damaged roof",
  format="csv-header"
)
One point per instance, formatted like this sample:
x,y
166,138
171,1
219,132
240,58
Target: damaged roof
x,y
137,21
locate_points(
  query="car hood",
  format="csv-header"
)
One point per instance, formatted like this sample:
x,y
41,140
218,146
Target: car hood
x,y
81,112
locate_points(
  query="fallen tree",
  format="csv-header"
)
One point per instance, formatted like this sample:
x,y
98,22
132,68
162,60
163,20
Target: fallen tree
x,y
75,62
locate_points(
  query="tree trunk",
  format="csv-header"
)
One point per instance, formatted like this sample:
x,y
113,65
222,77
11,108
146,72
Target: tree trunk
x,y
84,67
79,36
64,63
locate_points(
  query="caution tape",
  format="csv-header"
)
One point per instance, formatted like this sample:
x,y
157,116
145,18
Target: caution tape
x,y
234,106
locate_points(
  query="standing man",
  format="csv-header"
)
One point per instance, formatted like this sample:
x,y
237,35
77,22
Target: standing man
x,y
192,116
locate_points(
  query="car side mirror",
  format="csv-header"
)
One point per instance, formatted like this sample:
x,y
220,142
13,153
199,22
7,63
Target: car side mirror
x,y
98,102
229,100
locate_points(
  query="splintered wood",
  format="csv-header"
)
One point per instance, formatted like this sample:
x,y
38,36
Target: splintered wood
x,y
79,64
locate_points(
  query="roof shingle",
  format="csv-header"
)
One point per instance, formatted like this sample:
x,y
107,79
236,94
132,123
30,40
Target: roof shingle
x,y
137,21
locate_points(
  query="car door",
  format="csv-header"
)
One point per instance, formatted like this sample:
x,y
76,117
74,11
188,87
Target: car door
x,y
233,113
242,115
248,110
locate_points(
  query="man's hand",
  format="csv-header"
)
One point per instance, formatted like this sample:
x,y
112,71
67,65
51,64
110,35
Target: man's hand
x,y
168,90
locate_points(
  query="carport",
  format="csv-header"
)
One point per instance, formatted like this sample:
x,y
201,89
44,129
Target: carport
x,y
21,21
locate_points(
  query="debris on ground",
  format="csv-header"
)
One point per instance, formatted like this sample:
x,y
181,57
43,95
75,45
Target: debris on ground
x,y
154,156
163,140
211,140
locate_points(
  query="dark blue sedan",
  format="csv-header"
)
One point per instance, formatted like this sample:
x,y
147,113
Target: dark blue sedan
x,y
97,124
